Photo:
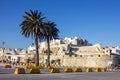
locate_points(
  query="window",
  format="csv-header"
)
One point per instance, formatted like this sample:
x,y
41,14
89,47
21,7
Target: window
x,y
98,55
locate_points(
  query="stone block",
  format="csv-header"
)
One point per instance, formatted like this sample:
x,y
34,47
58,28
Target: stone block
x,y
77,70
89,70
19,71
34,71
97,69
68,70
8,66
55,70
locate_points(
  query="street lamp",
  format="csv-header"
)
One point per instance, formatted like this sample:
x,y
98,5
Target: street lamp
x,y
3,49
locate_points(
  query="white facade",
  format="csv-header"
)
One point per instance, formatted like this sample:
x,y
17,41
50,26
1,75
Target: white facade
x,y
31,49
115,50
12,55
14,58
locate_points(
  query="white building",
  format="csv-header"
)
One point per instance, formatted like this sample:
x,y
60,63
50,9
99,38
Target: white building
x,y
12,55
115,50
31,48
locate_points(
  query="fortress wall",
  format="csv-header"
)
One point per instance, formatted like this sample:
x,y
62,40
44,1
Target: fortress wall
x,y
98,60
84,60
88,61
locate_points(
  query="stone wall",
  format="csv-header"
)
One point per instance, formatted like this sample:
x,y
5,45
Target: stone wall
x,y
84,60
87,61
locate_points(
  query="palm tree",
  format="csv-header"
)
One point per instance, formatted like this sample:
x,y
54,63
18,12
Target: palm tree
x,y
51,32
33,26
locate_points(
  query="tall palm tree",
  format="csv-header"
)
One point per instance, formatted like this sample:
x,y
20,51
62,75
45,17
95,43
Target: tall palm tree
x,y
33,26
51,32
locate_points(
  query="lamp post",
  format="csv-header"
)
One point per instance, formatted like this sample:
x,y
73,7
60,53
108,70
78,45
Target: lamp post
x,y
3,49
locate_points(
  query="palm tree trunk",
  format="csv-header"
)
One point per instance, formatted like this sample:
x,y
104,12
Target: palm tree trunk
x,y
48,58
37,53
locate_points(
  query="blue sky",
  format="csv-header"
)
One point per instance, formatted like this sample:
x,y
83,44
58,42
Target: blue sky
x,y
98,21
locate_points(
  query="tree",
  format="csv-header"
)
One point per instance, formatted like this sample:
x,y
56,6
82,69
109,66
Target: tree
x,y
51,32
33,26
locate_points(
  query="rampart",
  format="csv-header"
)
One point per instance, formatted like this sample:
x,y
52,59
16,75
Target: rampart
x,y
87,60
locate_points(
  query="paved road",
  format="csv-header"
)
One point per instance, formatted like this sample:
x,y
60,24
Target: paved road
x,y
63,76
